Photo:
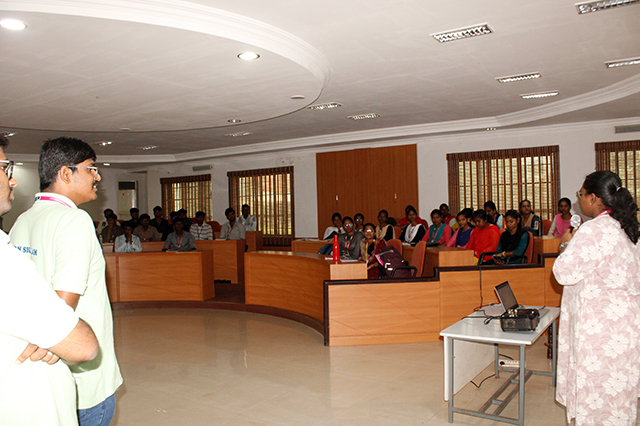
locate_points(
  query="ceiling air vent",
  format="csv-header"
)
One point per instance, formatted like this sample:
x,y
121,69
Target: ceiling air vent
x,y
628,129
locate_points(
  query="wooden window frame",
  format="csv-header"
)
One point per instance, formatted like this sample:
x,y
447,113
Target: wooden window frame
x,y
193,193
274,211
477,177
622,158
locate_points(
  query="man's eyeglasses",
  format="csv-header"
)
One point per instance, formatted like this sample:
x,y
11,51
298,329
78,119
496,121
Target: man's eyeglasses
x,y
7,167
93,169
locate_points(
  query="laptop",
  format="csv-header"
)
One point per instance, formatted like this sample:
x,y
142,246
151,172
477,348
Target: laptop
x,y
508,299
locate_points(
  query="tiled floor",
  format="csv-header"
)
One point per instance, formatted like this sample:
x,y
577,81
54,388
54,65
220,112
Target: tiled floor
x,y
212,367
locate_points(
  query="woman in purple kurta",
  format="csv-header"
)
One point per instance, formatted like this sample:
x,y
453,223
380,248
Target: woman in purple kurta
x,y
599,338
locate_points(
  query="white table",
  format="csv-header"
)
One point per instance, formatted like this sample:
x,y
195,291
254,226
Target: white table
x,y
474,330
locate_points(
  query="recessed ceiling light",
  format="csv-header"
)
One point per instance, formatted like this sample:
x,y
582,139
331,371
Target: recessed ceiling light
x,y
473,31
248,56
13,24
521,77
148,147
106,164
19,163
103,143
296,97
363,116
491,129
595,6
235,135
622,62
8,134
325,106
234,120
540,95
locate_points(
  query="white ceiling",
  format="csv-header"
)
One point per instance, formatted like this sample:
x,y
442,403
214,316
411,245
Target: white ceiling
x,y
168,71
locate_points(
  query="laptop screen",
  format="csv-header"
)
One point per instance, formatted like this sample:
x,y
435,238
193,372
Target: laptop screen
x,y
506,296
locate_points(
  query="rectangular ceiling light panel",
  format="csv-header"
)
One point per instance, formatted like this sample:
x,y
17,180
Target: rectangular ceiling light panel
x,y
540,95
476,30
596,6
622,62
521,77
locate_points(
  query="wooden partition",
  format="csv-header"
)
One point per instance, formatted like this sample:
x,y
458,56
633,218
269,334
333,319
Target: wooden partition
x,y
254,240
154,276
544,244
437,257
377,312
390,174
293,281
228,259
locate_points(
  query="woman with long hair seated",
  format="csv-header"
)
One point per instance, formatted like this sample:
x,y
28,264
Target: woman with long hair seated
x,y
561,221
414,232
385,230
349,241
513,241
462,235
530,221
485,236
493,216
439,232
369,247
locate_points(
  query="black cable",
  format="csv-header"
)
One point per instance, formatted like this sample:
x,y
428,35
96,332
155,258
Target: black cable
x,y
483,380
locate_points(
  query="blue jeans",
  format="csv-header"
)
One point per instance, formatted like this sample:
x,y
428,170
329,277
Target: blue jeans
x,y
99,415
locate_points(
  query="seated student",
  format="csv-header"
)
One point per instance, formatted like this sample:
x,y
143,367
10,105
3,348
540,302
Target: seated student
x,y
232,230
182,215
160,223
405,220
384,231
439,232
134,221
249,221
369,247
561,221
513,242
461,236
447,218
107,212
414,232
495,218
349,241
201,230
145,232
112,230
127,242
530,221
336,229
179,240
485,236
358,222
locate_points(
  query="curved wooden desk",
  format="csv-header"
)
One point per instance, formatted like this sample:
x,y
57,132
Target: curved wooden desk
x,y
152,276
293,281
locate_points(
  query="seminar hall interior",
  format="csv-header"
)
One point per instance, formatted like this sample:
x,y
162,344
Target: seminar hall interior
x,y
368,106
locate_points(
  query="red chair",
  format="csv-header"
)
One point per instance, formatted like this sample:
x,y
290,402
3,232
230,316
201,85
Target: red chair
x,y
215,226
396,244
546,225
417,260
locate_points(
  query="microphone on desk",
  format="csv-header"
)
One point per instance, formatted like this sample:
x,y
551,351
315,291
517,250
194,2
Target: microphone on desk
x,y
575,221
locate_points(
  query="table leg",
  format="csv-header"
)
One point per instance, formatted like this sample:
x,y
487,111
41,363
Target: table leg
x,y
450,378
521,384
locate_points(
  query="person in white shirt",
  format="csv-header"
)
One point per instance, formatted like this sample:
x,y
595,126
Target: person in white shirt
x,y
35,389
201,230
249,222
60,239
232,230
127,243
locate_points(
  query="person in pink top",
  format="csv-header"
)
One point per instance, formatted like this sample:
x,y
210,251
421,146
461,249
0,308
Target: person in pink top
x,y
562,221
